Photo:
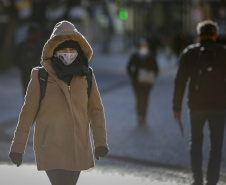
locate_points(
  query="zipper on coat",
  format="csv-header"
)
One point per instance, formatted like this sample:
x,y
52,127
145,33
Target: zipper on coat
x,y
69,90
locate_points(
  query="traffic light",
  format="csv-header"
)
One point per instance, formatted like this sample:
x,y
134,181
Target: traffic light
x,y
123,14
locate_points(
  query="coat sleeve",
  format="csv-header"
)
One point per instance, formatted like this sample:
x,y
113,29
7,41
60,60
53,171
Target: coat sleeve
x,y
97,117
181,81
27,114
155,65
131,67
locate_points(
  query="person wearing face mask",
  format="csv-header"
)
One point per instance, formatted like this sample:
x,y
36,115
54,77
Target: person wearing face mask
x,y
62,143
142,69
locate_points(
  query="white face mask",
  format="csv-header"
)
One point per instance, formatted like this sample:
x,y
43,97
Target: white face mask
x,y
143,51
66,58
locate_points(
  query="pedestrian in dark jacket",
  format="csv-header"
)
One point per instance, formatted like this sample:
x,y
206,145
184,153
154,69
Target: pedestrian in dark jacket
x,y
204,66
62,143
27,54
142,69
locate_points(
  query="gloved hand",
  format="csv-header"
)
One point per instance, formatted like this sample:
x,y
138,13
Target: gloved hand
x,y
101,151
177,116
16,158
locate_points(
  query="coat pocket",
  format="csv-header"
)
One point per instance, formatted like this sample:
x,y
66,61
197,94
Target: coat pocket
x,y
44,140
44,137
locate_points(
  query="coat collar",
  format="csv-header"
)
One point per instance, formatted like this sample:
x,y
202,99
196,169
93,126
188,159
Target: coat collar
x,y
48,67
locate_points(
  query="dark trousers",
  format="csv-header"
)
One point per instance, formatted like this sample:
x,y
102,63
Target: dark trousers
x,y
216,123
63,177
142,94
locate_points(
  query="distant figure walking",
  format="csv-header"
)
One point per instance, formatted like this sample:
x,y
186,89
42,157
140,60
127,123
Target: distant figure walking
x,y
27,54
71,105
204,65
142,69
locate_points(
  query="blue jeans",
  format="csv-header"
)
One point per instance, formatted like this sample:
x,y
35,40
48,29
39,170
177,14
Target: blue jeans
x,y
216,123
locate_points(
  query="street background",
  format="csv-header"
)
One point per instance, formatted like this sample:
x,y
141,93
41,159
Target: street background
x,y
153,154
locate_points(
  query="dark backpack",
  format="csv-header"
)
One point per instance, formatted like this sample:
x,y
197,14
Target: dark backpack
x,y
209,76
43,77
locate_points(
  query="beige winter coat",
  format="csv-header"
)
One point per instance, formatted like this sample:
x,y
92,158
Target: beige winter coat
x,y
61,138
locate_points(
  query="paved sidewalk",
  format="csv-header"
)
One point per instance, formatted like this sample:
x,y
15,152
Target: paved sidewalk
x,y
158,143
105,172
110,172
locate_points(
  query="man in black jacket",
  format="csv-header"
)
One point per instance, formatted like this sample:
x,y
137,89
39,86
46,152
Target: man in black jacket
x,y
204,66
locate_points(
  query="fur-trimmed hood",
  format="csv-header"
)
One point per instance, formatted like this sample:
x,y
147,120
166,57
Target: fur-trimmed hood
x,y
63,31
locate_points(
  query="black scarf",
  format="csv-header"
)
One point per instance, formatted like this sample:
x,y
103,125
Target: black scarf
x,y
79,67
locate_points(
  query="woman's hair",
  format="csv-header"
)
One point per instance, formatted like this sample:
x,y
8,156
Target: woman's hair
x,y
141,42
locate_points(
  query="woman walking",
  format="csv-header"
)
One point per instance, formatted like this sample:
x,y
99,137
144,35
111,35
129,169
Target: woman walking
x,y
61,140
142,69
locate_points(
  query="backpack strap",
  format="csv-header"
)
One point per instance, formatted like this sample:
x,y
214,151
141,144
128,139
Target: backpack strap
x,y
42,78
89,80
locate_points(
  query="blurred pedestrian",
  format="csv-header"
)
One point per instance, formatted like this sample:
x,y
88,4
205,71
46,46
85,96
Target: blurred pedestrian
x,y
179,43
27,54
204,66
61,140
142,69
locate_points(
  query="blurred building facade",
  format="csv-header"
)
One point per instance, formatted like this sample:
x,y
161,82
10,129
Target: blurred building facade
x,y
162,22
